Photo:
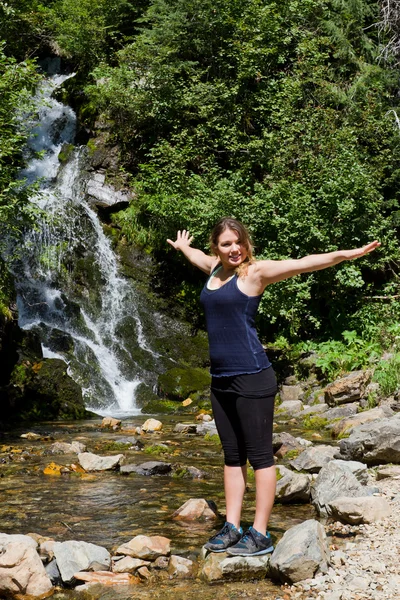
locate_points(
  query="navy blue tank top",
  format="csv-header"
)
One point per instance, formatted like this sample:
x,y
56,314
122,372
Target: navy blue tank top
x,y
233,342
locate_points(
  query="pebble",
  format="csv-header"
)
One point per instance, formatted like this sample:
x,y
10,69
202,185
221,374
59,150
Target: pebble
x,y
365,559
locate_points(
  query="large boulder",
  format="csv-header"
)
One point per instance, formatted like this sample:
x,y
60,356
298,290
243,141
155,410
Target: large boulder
x,y
179,384
374,443
21,570
291,487
336,480
347,389
301,553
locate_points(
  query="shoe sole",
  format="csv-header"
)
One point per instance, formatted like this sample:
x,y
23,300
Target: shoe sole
x,y
259,553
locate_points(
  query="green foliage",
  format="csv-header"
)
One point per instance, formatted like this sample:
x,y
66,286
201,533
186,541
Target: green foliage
x,y
387,374
335,358
156,449
276,113
212,437
314,422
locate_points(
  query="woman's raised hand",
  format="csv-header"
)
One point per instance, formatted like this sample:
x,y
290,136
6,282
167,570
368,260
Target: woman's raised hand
x,y
183,240
358,252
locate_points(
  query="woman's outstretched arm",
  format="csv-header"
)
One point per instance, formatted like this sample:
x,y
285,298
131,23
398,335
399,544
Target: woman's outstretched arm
x,y
198,258
271,271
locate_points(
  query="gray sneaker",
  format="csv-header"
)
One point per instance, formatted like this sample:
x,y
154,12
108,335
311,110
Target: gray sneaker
x,y
228,536
252,543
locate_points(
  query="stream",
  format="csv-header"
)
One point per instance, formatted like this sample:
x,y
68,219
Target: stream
x,y
108,508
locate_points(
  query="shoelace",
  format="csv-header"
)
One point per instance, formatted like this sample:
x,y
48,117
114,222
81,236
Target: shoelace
x,y
224,530
247,535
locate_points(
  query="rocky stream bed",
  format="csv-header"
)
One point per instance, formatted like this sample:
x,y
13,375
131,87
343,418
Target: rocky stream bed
x,y
65,486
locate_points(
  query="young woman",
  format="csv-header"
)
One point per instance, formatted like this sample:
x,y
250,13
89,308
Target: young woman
x,y
243,383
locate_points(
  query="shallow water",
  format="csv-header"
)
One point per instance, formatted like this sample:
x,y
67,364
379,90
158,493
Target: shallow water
x,y
108,508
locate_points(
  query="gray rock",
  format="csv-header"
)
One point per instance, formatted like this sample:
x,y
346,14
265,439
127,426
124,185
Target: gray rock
x,y
314,409
335,480
283,442
53,572
301,553
185,428
93,462
291,487
102,194
73,556
65,448
180,567
207,427
290,392
359,510
374,443
357,468
340,412
291,407
313,459
347,424
152,467
219,567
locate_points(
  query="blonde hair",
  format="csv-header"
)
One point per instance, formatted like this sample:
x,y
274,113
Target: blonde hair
x,y
244,238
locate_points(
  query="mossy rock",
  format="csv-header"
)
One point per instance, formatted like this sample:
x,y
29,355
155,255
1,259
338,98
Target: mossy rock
x,y
179,383
43,390
65,152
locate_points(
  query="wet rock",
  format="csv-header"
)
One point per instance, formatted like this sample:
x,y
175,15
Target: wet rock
x,y
31,436
219,567
93,462
374,443
110,423
313,459
348,424
161,562
185,428
106,577
65,448
291,487
152,467
73,556
180,568
144,573
291,407
335,480
179,384
301,553
196,509
207,427
131,442
152,425
21,570
102,194
146,547
289,393
347,389
127,564
359,510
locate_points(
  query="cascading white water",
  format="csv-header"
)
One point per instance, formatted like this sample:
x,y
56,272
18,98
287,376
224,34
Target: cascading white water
x,y
51,299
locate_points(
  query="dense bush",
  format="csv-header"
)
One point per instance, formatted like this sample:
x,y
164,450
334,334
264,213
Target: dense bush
x,y
279,114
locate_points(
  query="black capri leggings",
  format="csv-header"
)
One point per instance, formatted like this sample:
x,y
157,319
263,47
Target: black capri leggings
x,y
243,407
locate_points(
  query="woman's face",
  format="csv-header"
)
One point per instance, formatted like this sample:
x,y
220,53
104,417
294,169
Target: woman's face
x,y
230,250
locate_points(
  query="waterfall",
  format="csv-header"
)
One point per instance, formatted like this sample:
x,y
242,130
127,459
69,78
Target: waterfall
x,y
68,283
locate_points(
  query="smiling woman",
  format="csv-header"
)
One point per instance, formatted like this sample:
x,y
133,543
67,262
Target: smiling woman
x,y
243,385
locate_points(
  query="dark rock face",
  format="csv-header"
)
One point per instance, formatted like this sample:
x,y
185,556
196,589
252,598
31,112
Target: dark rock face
x,y
42,391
